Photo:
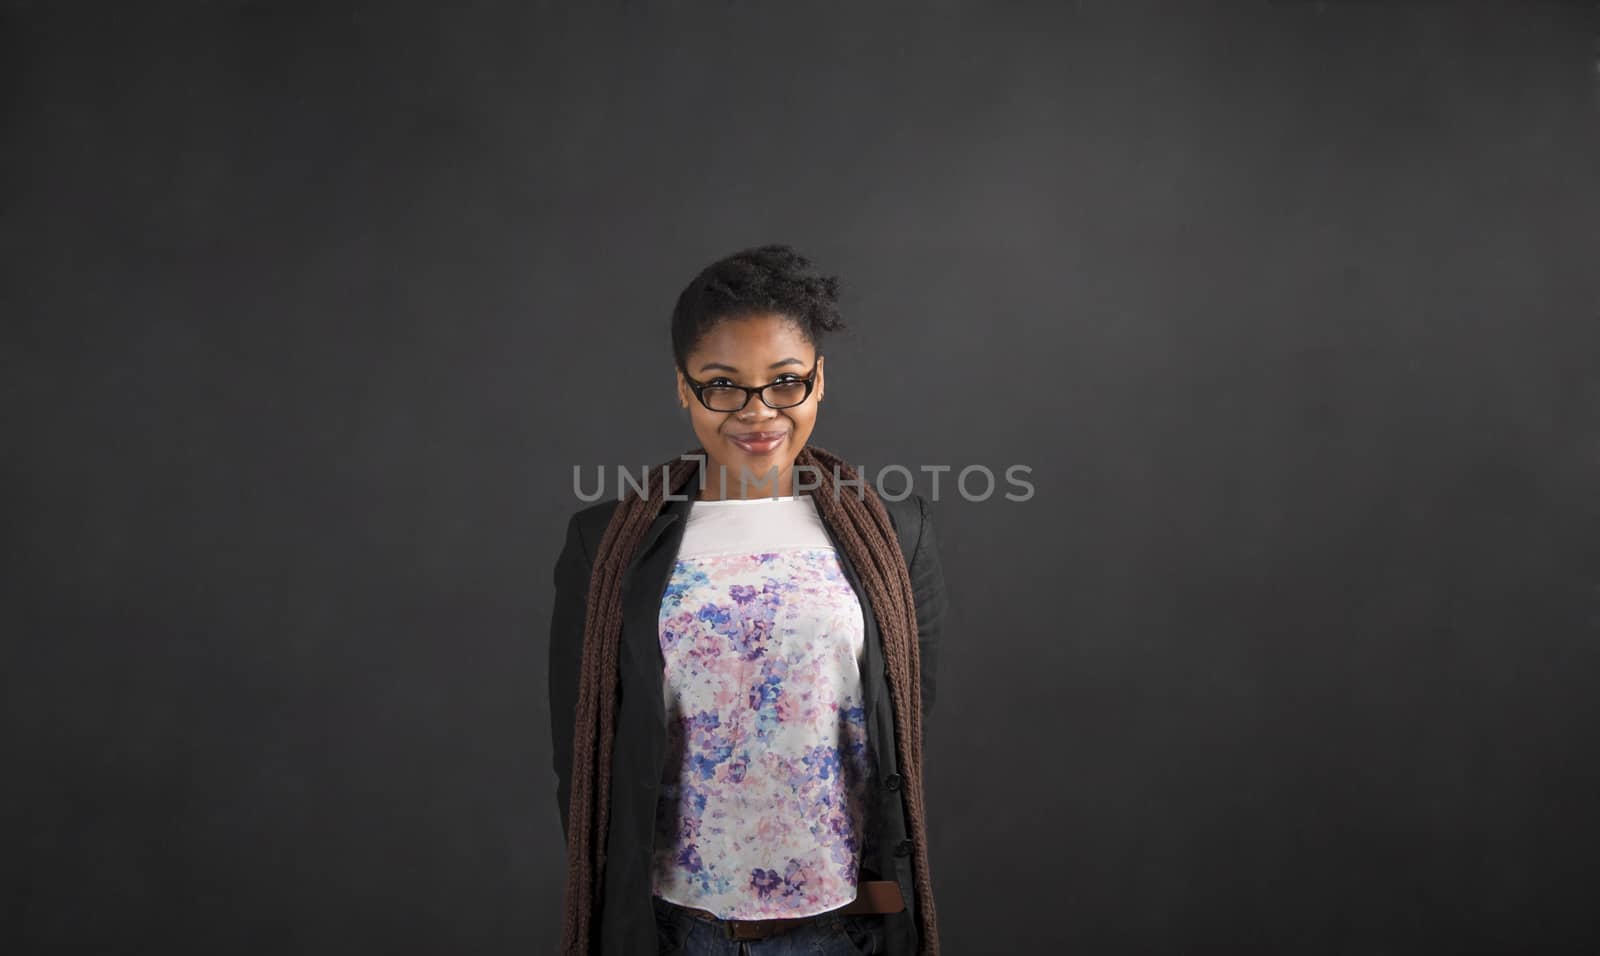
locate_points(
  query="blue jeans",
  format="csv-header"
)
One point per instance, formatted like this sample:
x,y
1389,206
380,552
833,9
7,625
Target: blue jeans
x,y
678,933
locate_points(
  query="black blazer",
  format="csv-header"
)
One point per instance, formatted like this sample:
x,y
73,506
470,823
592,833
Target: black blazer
x,y
626,924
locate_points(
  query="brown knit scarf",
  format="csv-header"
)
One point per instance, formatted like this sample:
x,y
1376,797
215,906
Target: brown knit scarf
x,y
863,527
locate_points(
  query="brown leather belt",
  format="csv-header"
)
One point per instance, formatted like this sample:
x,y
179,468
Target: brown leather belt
x,y
872,896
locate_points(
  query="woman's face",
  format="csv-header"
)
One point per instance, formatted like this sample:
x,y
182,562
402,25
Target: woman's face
x,y
752,351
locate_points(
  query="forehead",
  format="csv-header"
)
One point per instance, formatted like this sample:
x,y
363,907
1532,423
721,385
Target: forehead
x,y
757,339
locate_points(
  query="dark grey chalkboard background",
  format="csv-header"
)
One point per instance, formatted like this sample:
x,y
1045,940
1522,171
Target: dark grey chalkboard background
x,y
1292,309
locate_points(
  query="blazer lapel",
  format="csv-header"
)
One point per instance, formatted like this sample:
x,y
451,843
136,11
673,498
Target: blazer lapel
x,y
639,658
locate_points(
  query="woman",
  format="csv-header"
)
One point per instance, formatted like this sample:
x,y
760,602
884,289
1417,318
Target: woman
x,y
741,657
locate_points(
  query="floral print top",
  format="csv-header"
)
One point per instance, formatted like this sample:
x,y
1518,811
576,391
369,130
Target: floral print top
x,y
763,796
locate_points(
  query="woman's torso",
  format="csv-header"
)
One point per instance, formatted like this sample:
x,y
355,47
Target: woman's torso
x,y
763,806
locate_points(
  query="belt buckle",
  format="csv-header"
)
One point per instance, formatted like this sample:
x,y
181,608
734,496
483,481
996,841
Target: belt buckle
x,y
730,929
757,928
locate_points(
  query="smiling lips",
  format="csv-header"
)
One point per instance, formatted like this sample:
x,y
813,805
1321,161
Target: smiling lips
x,y
758,443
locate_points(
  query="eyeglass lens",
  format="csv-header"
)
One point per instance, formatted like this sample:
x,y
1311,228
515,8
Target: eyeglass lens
x,y
779,395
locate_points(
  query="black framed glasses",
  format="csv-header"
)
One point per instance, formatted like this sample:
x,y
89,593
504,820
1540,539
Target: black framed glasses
x,y
784,393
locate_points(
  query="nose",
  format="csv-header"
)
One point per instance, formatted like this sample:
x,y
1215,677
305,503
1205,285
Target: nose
x,y
756,410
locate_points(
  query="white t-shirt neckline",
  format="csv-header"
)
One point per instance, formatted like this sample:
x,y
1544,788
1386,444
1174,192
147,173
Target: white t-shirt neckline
x,y
788,523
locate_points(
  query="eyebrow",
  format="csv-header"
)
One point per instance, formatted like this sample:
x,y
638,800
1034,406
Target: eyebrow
x,y
729,368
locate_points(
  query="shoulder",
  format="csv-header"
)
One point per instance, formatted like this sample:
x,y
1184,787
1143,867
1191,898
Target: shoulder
x,y
909,509
589,524
908,514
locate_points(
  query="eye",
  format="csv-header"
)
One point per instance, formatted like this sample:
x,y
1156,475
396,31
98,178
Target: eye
x,y
719,380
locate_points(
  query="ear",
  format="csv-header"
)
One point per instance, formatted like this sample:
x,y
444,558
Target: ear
x,y
821,380
684,395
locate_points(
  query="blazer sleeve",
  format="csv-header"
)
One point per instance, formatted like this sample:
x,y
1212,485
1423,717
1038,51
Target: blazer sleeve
x,y
927,586
566,655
